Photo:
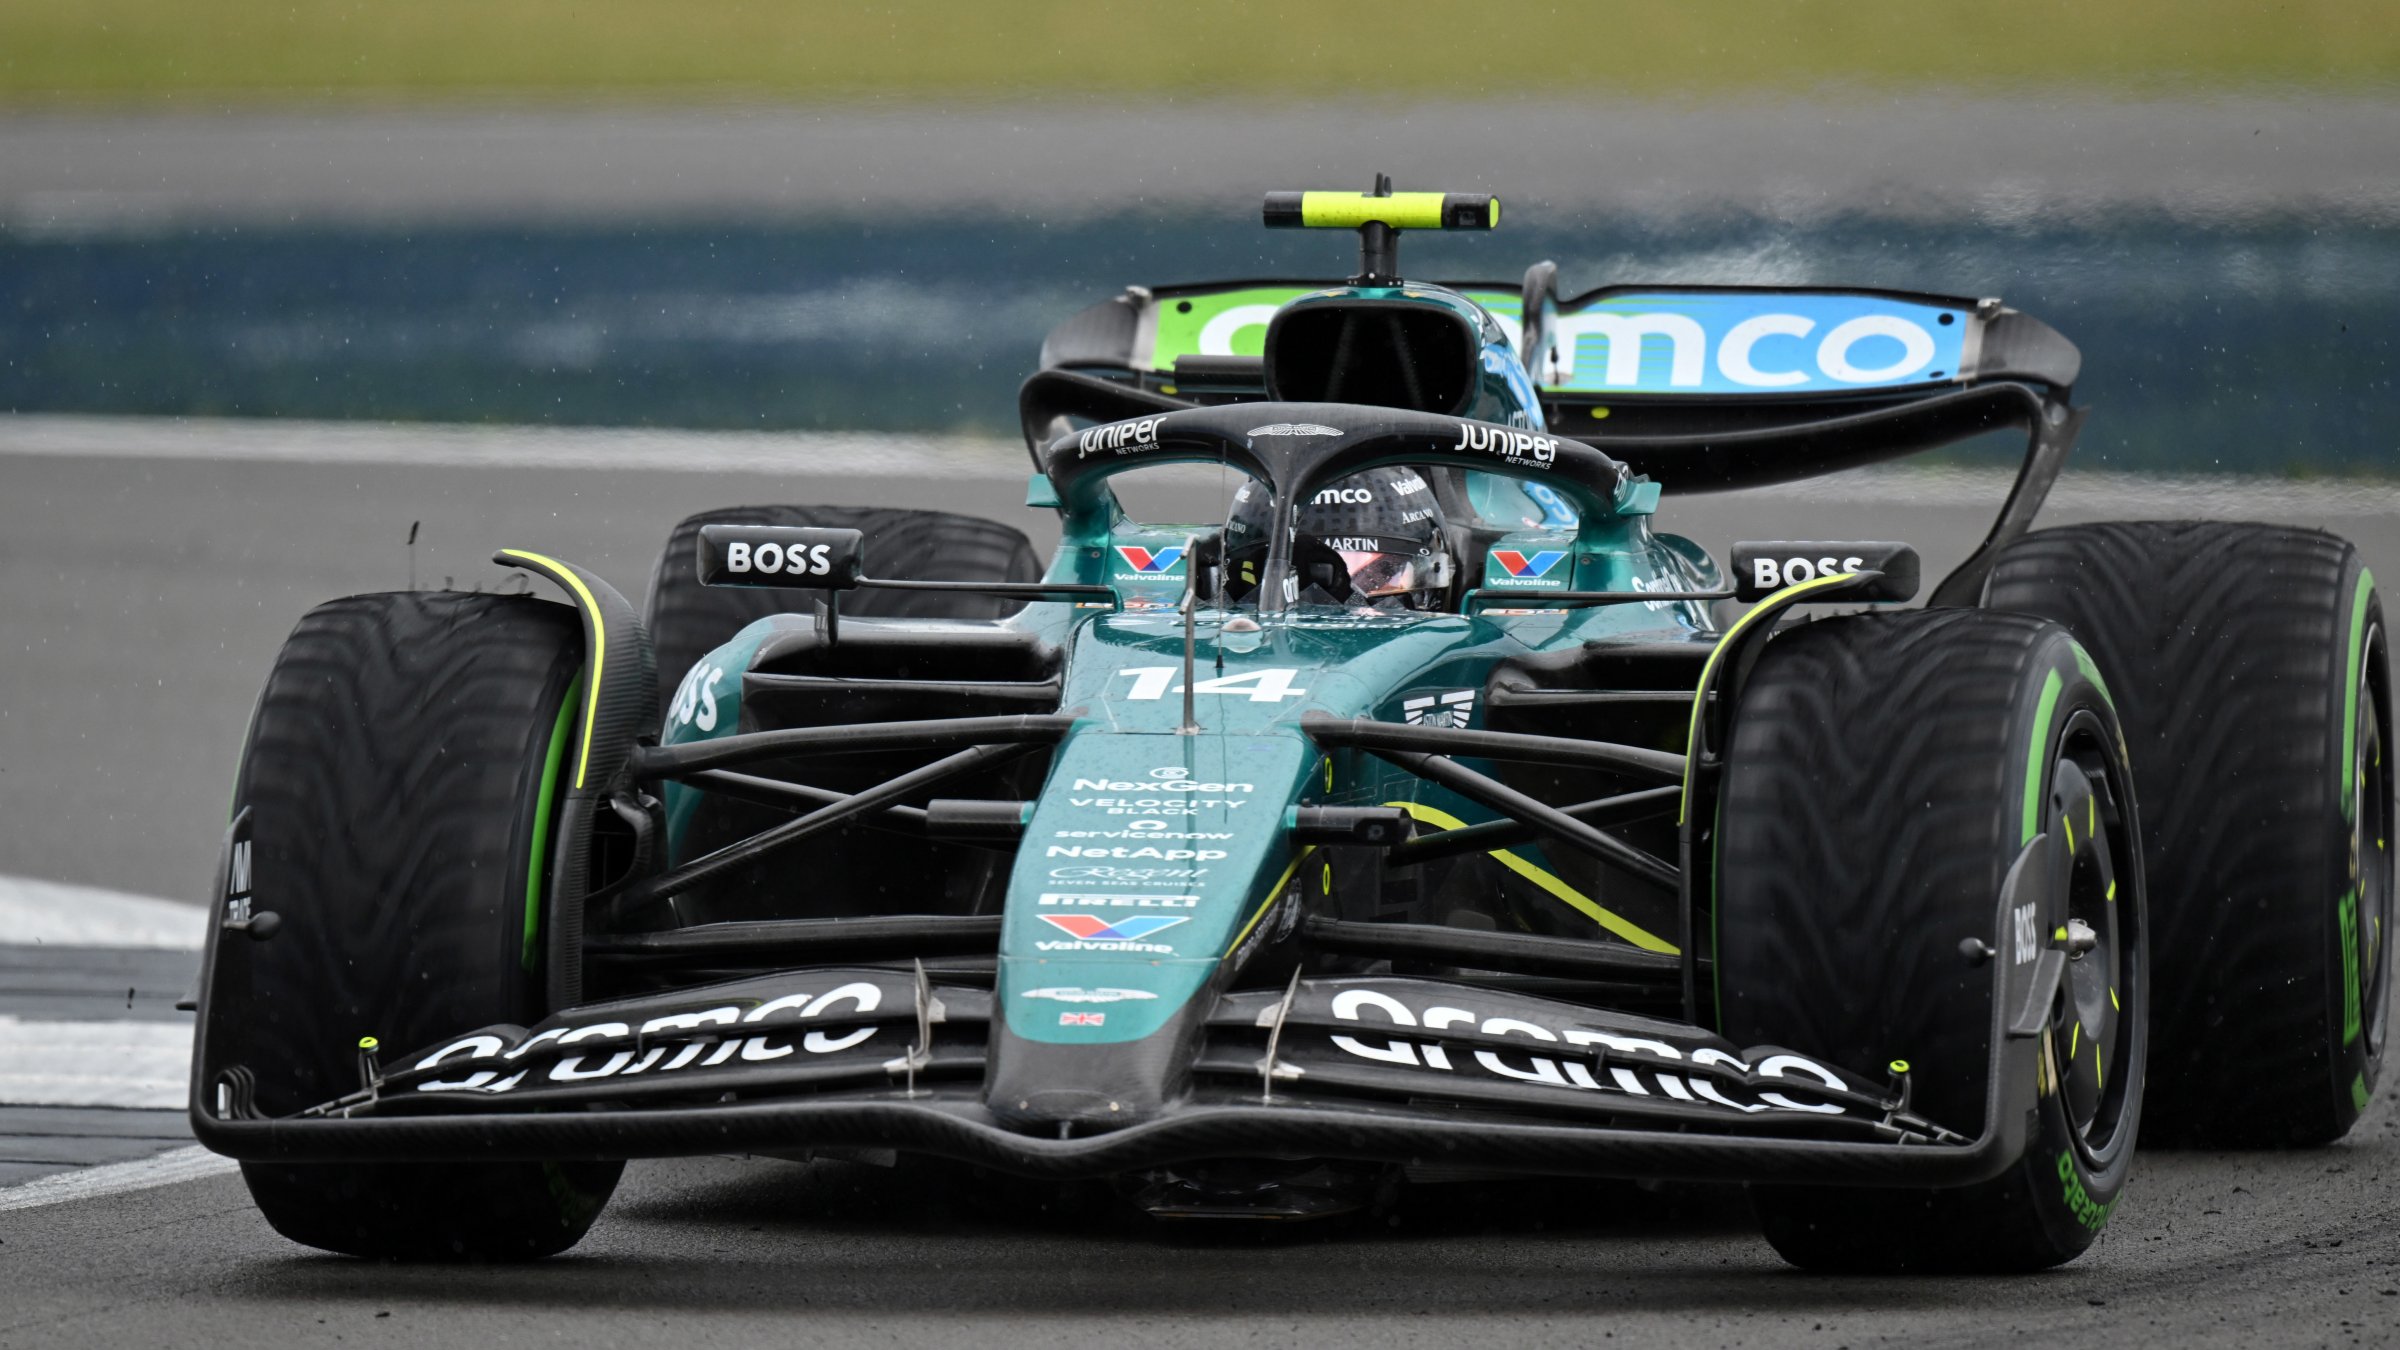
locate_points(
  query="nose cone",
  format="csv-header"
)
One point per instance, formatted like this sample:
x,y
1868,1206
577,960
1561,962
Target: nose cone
x,y
1044,1088
1071,1112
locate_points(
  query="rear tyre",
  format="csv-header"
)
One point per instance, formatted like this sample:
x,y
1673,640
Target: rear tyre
x,y
688,620
400,777
2252,663
1882,775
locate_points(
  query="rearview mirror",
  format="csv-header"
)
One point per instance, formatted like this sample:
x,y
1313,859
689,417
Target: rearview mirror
x,y
1761,569
782,556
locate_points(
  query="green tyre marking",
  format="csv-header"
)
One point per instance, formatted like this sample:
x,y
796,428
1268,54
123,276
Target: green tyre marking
x,y
2358,636
1716,942
2087,1211
544,807
2358,1092
2034,767
2083,662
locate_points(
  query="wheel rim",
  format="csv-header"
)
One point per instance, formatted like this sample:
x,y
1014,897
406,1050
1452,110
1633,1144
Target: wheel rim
x,y
2090,1047
2371,856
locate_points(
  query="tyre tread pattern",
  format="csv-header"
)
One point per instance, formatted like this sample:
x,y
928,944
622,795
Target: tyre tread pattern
x,y
2214,637
1872,804
390,777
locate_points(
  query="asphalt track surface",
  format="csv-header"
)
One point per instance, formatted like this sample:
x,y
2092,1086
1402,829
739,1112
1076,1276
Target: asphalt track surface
x,y
141,599
1935,156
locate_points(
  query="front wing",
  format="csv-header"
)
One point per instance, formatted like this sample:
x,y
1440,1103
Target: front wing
x,y
1379,1068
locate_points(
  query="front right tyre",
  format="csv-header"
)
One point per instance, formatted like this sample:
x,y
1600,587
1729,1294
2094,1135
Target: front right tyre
x,y
2251,662
402,784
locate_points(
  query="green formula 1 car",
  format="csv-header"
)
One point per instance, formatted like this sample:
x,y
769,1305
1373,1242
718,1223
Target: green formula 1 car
x,y
1422,810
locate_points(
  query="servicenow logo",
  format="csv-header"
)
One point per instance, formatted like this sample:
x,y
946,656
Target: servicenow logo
x,y
1736,342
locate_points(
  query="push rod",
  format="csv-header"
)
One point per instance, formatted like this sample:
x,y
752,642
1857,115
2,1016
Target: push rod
x,y
795,796
766,843
1360,733
749,747
1500,797
1619,810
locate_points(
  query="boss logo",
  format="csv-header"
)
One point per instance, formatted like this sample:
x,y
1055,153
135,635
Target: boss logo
x,y
1770,574
1761,569
805,559
773,555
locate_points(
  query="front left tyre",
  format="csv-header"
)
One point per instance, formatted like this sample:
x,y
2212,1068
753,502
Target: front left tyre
x,y
1882,775
402,780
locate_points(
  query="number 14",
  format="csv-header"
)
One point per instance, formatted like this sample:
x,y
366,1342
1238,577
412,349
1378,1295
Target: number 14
x,y
1272,685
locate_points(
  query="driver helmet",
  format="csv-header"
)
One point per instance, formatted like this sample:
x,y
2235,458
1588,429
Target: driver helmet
x,y
1373,539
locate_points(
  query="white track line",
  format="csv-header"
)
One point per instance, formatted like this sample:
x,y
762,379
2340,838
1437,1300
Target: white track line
x,y
91,1183
51,913
2142,496
903,455
864,454
115,1064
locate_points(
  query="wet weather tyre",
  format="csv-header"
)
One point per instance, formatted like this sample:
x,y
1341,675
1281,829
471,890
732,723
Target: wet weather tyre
x,y
688,620
2251,665
1882,774
399,781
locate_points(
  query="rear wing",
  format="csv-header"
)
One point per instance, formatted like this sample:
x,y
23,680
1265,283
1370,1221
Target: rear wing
x,y
1699,388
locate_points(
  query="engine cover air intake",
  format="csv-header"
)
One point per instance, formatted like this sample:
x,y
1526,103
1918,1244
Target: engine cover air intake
x,y
1385,352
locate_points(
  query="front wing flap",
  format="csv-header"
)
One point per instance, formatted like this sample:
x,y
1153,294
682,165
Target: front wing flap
x,y
1379,1068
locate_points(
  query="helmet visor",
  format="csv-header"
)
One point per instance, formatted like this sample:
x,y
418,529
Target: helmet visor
x,y
1374,573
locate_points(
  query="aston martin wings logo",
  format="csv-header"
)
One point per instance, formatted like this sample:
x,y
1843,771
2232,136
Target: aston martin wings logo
x,y
1294,429
1440,710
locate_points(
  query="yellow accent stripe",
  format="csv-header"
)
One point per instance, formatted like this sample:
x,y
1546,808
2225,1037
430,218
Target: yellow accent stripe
x,y
2112,1000
591,610
2112,890
2069,823
1274,893
2075,1040
1772,604
1615,923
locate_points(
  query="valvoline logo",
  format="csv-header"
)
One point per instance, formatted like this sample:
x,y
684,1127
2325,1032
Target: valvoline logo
x,y
1093,928
1518,565
1148,560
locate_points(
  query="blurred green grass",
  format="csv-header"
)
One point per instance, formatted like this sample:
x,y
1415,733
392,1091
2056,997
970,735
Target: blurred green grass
x,y
246,52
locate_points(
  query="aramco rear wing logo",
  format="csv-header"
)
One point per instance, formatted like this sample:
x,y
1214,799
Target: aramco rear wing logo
x,y
1518,564
1148,560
